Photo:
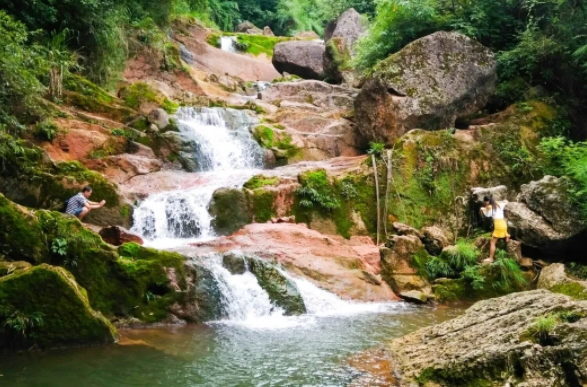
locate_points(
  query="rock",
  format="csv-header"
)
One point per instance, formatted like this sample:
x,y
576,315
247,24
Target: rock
x,y
434,240
267,31
13,267
247,27
348,26
526,263
282,291
300,249
305,90
534,231
429,84
52,294
302,58
121,168
514,250
414,296
499,193
491,344
230,210
159,117
341,36
234,262
405,230
307,35
152,129
116,236
556,279
550,198
400,261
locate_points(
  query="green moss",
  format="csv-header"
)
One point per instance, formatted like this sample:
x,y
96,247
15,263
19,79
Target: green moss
x,y
138,93
260,181
264,136
140,124
92,105
572,289
263,205
62,306
291,78
214,40
21,236
169,106
84,87
455,378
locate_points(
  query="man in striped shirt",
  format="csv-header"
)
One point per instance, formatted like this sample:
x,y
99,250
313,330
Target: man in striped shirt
x,y
79,205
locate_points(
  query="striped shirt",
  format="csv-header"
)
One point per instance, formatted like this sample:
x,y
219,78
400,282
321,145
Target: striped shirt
x,y
75,203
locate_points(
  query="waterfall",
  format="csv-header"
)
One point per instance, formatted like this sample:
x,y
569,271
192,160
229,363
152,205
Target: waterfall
x,y
228,43
227,156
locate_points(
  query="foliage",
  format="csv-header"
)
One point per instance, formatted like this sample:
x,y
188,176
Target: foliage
x,y
578,270
22,64
562,157
376,148
19,322
59,246
46,130
316,191
260,181
542,329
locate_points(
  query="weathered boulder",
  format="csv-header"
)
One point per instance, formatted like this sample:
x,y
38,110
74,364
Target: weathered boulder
x,y
341,36
401,259
57,307
302,58
159,117
121,168
230,210
535,231
493,345
429,84
498,194
434,240
550,198
267,31
116,236
234,262
307,35
348,26
247,27
556,279
414,296
404,229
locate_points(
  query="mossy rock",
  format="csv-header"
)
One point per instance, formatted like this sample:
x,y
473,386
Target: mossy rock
x,y
58,307
140,96
282,291
21,234
30,179
230,210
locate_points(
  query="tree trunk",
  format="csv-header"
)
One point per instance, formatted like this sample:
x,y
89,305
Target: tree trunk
x,y
376,193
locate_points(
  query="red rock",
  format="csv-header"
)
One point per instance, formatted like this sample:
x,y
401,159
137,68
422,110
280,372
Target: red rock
x,y
116,235
332,262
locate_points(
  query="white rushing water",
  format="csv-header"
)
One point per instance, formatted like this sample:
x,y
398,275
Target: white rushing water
x,y
228,43
227,156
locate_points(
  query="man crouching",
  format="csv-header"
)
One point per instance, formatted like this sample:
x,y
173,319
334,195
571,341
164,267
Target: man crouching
x,y
79,205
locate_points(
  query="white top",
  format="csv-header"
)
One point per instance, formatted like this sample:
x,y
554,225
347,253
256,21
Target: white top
x,y
495,213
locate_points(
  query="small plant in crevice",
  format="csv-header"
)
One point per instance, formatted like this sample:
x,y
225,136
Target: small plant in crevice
x,y
542,330
46,131
59,246
317,192
19,322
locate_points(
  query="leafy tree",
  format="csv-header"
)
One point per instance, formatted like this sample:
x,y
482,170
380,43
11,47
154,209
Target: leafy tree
x,y
22,63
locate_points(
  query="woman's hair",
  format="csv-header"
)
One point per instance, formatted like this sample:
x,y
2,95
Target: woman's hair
x,y
491,201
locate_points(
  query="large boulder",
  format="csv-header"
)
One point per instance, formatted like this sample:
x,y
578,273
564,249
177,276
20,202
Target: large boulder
x,y
247,27
230,210
401,260
57,308
434,240
550,198
429,84
493,344
556,279
116,236
545,217
302,58
341,36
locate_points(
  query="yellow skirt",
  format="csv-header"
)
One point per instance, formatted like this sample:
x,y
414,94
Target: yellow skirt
x,y
500,228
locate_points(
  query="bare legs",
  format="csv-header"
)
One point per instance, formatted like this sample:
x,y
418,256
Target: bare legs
x,y
84,212
492,248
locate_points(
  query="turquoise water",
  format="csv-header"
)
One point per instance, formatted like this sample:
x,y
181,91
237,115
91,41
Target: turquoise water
x,y
285,351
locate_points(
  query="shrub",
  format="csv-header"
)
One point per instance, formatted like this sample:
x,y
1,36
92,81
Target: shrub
x,y
46,130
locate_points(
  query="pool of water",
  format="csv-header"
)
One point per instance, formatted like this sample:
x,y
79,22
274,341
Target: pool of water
x,y
310,350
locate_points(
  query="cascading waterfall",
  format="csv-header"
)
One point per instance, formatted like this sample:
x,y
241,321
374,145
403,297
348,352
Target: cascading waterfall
x,y
228,43
227,156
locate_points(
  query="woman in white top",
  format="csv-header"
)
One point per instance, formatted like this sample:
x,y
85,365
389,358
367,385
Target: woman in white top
x,y
500,226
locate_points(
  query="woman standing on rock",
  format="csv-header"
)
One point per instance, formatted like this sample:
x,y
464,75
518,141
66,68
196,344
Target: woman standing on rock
x,y
500,227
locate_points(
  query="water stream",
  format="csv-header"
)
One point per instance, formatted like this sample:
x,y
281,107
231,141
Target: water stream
x,y
256,345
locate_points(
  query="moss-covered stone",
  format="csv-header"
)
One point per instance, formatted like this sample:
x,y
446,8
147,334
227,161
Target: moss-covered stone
x,y
56,307
139,94
572,289
30,179
260,181
230,210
